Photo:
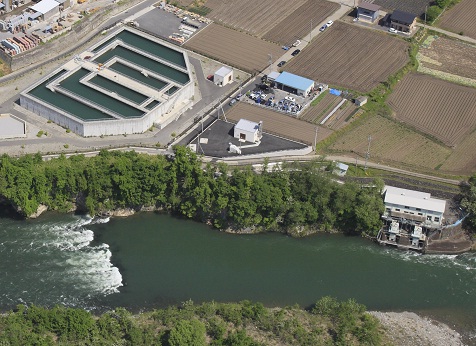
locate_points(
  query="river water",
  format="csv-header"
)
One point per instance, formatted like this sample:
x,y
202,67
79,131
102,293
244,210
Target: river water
x,y
150,260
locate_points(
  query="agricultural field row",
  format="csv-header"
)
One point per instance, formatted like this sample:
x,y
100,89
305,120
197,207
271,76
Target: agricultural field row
x,y
351,57
460,19
278,124
449,56
254,17
238,49
300,22
417,7
444,110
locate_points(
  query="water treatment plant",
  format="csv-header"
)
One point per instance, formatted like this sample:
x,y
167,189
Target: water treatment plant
x,y
124,84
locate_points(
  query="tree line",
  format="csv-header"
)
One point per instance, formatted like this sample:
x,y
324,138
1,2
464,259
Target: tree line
x,y
328,322
296,199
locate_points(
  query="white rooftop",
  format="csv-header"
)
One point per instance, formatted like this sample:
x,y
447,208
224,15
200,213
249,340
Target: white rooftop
x,y
246,125
273,75
414,199
223,71
44,6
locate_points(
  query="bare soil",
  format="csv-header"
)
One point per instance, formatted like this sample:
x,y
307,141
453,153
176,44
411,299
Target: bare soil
x,y
351,57
444,110
278,124
460,18
451,56
298,24
232,47
417,7
254,17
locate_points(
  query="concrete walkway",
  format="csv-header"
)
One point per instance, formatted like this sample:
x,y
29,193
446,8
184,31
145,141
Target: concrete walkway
x,y
449,33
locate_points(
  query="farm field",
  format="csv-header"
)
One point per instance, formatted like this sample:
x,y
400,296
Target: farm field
x,y
315,114
340,56
449,56
460,18
442,109
391,143
298,24
232,47
278,124
254,17
417,7
463,158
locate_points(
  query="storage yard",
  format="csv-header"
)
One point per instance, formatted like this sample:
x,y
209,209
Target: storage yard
x,y
460,19
340,56
448,59
254,17
444,110
298,24
278,124
232,47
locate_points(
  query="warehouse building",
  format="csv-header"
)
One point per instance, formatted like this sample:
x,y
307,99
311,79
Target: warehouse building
x,y
45,9
294,84
124,84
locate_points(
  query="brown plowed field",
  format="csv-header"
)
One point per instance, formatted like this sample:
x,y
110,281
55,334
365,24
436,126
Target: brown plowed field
x,y
254,17
461,18
232,47
298,24
463,158
444,110
278,124
351,57
417,7
450,56
392,143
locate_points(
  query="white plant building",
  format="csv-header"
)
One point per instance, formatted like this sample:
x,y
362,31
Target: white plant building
x,y
223,76
413,206
248,131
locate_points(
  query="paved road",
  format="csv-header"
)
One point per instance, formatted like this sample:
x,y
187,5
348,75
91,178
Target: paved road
x,y
449,33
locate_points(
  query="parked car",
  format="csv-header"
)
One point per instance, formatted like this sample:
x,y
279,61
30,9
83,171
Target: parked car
x,y
329,23
290,98
297,43
232,102
285,47
296,52
238,97
281,63
324,27
393,31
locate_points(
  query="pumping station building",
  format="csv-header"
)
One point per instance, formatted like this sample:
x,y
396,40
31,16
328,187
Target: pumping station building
x,y
124,84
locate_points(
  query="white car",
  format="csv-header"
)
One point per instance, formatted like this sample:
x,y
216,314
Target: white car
x,y
393,31
290,98
297,43
329,23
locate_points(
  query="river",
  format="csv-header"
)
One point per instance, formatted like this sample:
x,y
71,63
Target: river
x,y
150,260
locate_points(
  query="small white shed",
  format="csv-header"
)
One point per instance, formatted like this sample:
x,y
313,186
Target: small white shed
x,y
361,100
248,131
223,76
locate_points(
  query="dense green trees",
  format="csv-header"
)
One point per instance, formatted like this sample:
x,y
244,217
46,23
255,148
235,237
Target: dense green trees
x,y
296,198
468,203
219,324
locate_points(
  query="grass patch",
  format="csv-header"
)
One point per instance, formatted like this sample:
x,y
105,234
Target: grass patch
x,y
200,10
319,98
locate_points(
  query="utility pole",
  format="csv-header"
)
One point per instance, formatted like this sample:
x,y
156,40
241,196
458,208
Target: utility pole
x,y
367,155
270,60
426,9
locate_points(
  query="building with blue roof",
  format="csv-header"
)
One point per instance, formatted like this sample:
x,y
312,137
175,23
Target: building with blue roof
x,y
294,84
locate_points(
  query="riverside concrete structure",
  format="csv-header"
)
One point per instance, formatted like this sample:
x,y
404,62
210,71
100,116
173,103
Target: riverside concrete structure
x,y
124,84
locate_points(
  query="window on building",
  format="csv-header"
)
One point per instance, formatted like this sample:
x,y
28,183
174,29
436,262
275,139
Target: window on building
x,y
418,209
437,219
397,209
420,214
428,218
407,207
